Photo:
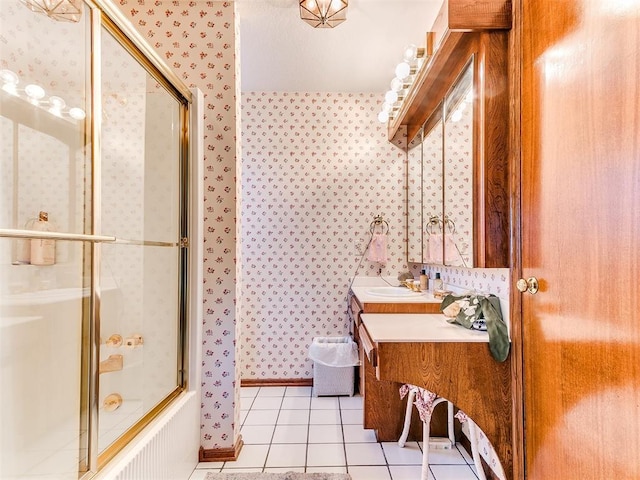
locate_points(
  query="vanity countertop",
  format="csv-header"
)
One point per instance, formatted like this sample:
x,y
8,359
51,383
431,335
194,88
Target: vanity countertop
x,y
362,285
419,327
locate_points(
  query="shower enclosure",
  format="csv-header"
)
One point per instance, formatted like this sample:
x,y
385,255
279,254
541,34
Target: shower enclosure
x,y
93,134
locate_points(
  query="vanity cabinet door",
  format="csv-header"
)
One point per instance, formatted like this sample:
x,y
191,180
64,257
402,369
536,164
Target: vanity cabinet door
x,y
459,171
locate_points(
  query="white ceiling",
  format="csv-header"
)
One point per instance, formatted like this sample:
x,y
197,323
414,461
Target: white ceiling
x,y
280,52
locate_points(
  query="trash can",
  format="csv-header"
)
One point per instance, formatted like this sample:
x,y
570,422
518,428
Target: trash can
x,y
334,359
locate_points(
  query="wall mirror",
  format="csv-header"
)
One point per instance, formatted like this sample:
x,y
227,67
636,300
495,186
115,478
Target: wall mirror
x,y
432,184
414,199
458,174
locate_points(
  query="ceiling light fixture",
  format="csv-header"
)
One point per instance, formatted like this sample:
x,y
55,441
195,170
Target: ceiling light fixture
x,y
323,13
60,10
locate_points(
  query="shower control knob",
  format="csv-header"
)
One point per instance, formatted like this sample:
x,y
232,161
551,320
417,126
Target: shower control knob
x,y
529,285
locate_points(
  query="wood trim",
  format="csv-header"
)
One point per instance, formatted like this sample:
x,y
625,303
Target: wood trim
x,y
221,454
401,308
277,382
515,307
367,345
476,15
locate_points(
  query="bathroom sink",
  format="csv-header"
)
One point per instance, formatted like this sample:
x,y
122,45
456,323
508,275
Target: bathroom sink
x,y
392,292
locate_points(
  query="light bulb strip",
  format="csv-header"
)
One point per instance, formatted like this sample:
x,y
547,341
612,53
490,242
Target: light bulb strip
x,y
35,95
413,59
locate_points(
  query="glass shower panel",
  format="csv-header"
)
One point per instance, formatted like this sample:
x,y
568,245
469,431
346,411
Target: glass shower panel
x,y
44,167
140,204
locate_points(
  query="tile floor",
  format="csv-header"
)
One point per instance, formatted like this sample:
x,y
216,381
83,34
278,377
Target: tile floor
x,y
286,428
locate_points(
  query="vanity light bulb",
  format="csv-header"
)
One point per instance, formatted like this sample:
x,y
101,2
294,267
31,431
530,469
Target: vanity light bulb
x,y
403,70
410,53
456,116
57,103
469,96
396,84
9,78
35,92
383,117
77,113
391,96
387,107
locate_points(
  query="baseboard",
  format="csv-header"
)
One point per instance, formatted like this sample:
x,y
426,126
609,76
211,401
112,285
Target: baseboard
x,y
277,382
221,454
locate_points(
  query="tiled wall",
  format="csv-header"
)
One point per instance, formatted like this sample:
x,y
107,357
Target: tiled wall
x,y
317,167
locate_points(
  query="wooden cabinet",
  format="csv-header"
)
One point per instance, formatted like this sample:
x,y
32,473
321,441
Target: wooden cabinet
x,y
459,103
383,408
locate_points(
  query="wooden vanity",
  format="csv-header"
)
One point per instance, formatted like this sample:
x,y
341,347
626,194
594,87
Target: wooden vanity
x,y
453,362
383,407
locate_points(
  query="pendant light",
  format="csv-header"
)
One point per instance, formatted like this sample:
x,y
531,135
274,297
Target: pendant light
x,y
323,13
60,10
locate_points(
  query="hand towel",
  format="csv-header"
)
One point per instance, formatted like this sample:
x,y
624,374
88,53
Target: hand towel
x,y
378,248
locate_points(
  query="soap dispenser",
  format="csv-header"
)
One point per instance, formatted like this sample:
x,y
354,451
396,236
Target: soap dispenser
x,y
424,280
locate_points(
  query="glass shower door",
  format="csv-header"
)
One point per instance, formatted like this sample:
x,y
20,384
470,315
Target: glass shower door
x,y
45,166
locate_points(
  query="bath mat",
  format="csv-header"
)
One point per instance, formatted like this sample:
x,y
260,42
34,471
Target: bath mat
x,y
277,476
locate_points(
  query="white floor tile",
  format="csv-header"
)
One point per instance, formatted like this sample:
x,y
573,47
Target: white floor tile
x,y
271,392
357,434
261,417
369,473
284,469
465,455
281,455
296,403
407,472
325,417
241,470
410,454
352,417
293,417
453,472
200,474
325,434
324,403
298,392
351,403
210,465
326,469
327,454
249,392
445,456
364,454
257,434
290,434
251,456
266,403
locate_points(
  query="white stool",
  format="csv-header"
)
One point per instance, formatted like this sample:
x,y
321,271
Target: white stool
x,y
425,401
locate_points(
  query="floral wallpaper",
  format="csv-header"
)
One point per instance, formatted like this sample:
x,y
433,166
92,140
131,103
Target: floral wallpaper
x,y
317,168
196,38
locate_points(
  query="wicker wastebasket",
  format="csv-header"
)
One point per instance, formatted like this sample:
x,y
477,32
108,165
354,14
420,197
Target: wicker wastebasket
x,y
334,360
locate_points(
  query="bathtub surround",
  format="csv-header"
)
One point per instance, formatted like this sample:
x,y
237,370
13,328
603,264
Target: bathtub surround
x,y
317,168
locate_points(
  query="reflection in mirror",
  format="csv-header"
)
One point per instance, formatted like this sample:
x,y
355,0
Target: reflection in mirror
x,y
414,200
432,190
458,171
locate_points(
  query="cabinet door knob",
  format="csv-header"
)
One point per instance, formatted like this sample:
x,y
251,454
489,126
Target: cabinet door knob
x,y
529,285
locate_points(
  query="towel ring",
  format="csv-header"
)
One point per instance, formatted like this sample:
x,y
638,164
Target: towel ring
x,y
434,222
378,222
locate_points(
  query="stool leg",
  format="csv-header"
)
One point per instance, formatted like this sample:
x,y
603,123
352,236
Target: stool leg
x,y
407,418
450,429
426,426
473,432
